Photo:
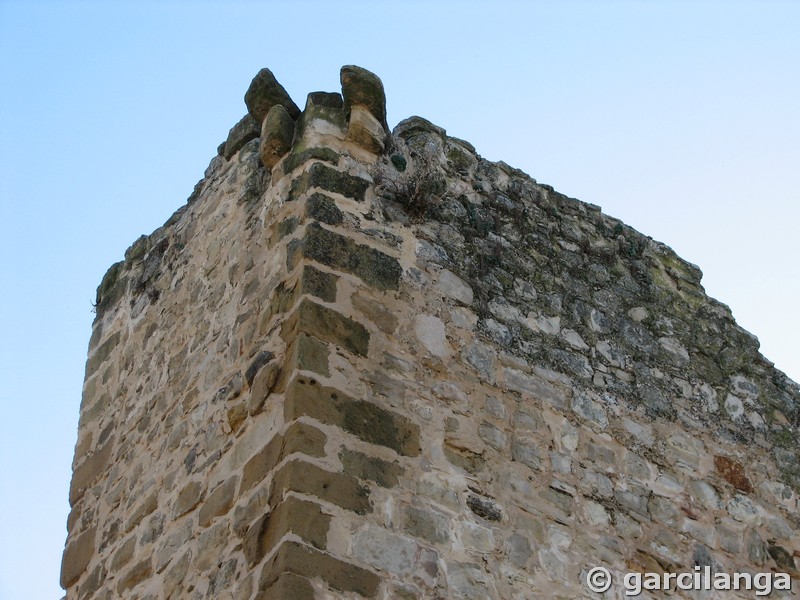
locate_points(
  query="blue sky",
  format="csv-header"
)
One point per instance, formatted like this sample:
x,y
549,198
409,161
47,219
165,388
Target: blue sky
x,y
680,118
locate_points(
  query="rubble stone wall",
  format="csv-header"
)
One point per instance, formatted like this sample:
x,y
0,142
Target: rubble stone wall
x,y
363,364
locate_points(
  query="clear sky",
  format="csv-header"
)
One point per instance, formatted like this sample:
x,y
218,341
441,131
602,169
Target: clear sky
x,y
678,117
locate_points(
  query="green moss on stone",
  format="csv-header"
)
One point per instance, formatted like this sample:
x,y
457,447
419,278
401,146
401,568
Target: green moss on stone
x,y
785,438
365,420
360,86
326,178
137,250
322,208
244,131
399,162
299,157
286,227
264,93
277,134
329,326
111,288
327,106
319,283
458,158
340,252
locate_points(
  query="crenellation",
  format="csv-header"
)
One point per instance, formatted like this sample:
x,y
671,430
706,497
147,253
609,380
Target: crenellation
x,y
363,363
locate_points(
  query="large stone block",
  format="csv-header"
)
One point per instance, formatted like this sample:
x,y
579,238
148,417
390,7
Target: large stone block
x,y
93,582
264,93
323,113
299,156
263,385
299,437
244,131
308,354
733,472
299,559
326,178
307,478
385,317
327,325
318,283
288,586
111,289
322,208
537,387
427,524
175,574
338,251
218,502
360,87
77,555
367,421
365,130
277,133
395,554
102,353
384,473
135,575
302,518
87,472
124,554
188,498
140,510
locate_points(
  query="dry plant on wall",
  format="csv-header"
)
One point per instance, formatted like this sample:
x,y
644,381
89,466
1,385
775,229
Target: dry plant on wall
x,y
417,184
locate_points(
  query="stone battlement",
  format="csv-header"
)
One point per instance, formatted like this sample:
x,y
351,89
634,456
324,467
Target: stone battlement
x,y
363,363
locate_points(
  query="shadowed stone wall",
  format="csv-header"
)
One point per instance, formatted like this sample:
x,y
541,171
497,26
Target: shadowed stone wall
x,y
363,364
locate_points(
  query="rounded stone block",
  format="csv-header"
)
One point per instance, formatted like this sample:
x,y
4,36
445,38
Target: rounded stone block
x,y
365,130
245,130
277,133
360,86
264,93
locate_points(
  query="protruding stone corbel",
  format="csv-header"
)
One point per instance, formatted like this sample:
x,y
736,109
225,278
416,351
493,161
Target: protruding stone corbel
x,y
277,134
365,130
264,93
365,108
245,130
323,113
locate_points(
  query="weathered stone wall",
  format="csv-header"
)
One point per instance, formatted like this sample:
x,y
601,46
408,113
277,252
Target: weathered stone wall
x,y
362,364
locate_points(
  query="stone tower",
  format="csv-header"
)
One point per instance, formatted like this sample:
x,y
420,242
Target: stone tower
x,y
371,364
